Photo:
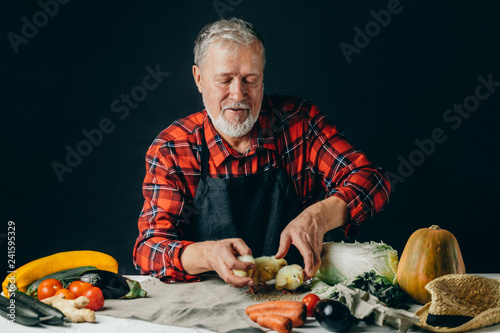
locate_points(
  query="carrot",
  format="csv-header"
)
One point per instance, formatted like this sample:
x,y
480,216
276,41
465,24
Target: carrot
x,y
298,316
270,305
277,323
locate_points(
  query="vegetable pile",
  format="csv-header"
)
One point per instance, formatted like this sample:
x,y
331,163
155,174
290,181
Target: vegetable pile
x,y
25,275
358,281
38,293
366,281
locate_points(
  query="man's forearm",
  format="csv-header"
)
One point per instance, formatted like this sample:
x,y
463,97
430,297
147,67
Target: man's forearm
x,y
331,212
159,257
193,258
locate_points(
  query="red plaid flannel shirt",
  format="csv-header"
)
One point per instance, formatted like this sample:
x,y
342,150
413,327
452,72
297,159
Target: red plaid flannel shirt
x,y
315,156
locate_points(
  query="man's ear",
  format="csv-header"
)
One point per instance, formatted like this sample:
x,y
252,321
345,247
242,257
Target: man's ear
x,y
197,77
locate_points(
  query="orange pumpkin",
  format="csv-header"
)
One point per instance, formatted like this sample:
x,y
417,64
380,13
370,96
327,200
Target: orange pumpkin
x,y
428,254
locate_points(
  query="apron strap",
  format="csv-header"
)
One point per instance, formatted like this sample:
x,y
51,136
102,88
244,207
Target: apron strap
x,y
277,156
205,155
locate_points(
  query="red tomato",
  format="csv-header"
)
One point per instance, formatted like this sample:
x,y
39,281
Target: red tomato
x,y
67,294
48,288
310,301
77,288
95,297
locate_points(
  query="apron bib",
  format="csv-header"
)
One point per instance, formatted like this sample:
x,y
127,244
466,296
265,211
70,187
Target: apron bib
x,y
255,208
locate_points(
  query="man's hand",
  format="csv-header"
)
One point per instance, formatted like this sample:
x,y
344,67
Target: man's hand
x,y
306,231
219,256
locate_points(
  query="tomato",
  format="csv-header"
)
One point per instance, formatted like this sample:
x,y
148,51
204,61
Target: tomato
x,y
48,288
67,294
77,288
96,298
310,301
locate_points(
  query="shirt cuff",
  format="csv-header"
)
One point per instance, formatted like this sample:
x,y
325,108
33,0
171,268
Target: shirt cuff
x,y
178,273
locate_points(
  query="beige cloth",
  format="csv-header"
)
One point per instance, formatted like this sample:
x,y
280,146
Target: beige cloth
x,y
210,304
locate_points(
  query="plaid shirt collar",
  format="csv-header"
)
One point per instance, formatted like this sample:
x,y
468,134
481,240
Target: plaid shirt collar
x,y
262,137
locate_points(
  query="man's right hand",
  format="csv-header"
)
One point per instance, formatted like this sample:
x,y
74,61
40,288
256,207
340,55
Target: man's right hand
x,y
219,256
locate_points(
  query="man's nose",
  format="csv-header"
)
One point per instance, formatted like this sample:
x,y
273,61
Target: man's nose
x,y
237,91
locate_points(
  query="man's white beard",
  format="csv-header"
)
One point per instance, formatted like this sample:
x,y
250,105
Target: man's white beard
x,y
233,130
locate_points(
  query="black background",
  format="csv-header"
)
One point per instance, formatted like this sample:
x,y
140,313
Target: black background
x,y
395,91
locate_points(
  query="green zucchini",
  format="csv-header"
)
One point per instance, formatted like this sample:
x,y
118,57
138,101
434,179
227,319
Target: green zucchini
x,y
66,277
51,315
18,313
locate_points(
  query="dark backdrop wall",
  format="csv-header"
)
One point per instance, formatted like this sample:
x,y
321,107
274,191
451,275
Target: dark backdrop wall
x,y
416,85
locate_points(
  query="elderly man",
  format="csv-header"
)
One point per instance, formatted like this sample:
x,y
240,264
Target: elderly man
x,y
250,174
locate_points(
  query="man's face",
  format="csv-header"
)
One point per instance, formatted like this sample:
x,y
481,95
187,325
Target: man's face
x,y
231,82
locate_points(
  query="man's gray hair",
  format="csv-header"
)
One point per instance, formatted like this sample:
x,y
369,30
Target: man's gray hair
x,y
233,30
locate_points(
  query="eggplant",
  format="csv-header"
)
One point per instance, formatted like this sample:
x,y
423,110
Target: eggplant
x,y
333,315
112,285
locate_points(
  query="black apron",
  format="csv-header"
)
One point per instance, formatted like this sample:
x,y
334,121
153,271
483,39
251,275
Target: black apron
x,y
255,208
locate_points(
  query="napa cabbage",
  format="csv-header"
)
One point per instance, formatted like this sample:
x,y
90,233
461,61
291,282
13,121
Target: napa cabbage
x,y
343,262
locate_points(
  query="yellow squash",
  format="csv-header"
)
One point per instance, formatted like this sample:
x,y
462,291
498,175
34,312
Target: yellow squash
x,y
23,276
